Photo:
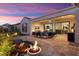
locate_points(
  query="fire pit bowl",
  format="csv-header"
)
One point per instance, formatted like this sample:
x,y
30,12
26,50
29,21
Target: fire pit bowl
x,y
32,52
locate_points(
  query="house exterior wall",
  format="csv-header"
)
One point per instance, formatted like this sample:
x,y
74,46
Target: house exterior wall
x,y
31,24
18,26
41,25
28,22
74,11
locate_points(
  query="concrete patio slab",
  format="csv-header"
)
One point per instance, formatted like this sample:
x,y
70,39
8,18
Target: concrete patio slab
x,y
56,46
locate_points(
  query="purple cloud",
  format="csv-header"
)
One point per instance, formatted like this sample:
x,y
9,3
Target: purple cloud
x,y
13,12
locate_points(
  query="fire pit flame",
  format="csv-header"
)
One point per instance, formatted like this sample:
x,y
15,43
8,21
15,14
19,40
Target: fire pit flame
x,y
34,50
35,46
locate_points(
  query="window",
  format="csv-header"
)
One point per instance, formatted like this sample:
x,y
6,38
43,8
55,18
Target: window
x,y
24,27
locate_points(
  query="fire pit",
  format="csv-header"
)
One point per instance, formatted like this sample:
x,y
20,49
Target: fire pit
x,y
34,50
26,48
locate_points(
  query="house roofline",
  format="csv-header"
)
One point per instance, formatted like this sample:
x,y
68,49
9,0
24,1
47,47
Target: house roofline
x,y
26,18
58,11
6,24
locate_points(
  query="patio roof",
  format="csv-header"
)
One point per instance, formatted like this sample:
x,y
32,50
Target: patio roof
x,y
70,10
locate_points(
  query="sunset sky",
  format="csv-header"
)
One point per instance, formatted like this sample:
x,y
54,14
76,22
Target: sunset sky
x,y
14,12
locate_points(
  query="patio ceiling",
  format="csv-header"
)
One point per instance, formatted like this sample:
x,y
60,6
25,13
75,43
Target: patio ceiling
x,y
58,19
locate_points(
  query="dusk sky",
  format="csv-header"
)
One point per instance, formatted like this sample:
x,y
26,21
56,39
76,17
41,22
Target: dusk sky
x,y
14,12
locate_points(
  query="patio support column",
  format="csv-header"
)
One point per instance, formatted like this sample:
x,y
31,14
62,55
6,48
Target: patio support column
x,y
30,28
76,21
53,27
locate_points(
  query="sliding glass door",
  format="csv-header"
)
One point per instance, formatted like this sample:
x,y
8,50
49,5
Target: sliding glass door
x,y
48,27
62,27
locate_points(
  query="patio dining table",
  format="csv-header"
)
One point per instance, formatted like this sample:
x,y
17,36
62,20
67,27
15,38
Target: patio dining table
x,y
44,34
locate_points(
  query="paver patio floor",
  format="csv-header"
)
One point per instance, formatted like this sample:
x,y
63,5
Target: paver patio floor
x,y
56,46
